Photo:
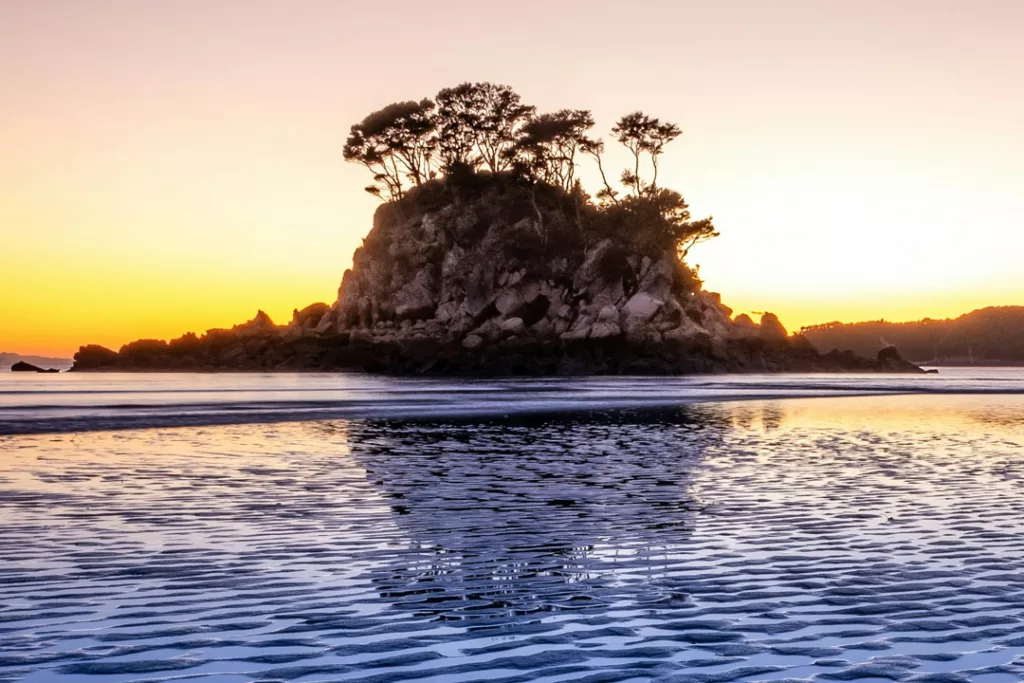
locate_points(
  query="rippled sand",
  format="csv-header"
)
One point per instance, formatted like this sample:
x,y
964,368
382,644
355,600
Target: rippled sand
x,y
868,539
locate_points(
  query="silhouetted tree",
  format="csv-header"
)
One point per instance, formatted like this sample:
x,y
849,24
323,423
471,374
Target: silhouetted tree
x,y
640,133
549,144
395,142
459,114
595,148
660,219
483,126
502,118
478,123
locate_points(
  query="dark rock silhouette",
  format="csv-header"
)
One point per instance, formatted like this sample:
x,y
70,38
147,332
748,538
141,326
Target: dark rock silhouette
x,y
8,359
96,357
889,355
22,366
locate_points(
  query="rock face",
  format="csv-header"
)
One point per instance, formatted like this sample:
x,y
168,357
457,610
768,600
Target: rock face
x,y
493,281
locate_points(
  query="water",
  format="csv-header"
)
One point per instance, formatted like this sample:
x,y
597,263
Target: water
x,y
78,402
596,530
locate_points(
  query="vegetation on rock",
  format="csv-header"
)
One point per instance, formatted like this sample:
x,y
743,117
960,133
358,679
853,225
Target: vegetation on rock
x,y
488,257
479,128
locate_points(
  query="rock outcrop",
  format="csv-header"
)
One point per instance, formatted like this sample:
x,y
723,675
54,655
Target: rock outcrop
x,y
8,360
491,280
22,366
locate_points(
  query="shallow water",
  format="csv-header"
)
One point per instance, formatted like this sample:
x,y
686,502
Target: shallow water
x,y
870,538
71,402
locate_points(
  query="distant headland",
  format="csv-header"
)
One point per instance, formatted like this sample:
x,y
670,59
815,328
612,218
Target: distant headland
x,y
987,336
488,257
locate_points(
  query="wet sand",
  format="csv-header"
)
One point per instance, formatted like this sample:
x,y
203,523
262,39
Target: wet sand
x,y
868,539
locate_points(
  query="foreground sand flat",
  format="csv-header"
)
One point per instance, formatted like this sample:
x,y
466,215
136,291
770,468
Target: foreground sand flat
x,y
876,538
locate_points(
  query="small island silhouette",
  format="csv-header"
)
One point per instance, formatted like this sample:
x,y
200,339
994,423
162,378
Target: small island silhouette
x,y
488,257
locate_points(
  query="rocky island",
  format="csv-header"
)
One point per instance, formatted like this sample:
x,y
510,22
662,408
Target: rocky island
x,y
488,257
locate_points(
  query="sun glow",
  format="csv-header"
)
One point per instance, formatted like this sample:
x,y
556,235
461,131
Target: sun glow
x,y
162,172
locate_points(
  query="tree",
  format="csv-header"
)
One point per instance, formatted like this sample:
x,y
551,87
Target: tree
x,y
692,233
479,123
395,143
501,119
476,127
549,143
595,148
459,122
640,133
657,220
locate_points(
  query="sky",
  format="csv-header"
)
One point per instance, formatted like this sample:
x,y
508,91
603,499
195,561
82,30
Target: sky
x,y
168,167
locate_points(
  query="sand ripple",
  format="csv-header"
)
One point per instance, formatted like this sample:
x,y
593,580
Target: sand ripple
x,y
830,540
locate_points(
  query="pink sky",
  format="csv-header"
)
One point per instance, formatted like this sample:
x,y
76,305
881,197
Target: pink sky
x,y
173,166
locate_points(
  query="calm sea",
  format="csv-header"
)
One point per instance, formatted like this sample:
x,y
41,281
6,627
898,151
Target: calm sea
x,y
237,528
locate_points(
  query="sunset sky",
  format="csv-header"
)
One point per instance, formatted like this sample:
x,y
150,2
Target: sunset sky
x,y
174,166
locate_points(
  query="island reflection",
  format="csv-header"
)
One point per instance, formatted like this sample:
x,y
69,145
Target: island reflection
x,y
510,518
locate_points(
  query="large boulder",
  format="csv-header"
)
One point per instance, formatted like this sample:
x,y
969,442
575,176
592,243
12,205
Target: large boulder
x,y
658,277
580,329
716,322
327,323
261,325
509,302
606,293
514,326
479,289
688,332
889,354
643,334
608,315
313,319
446,312
591,272
605,330
642,306
743,327
771,329
415,300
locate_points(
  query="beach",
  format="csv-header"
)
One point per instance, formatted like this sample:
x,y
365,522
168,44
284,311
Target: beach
x,y
720,529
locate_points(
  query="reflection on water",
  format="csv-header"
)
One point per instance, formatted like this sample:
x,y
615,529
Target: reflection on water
x,y
515,518
978,415
869,539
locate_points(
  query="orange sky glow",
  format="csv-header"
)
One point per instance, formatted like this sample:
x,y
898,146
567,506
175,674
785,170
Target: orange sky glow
x,y
168,167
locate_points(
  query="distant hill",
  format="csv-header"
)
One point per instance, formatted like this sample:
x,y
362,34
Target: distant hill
x,y
9,359
987,336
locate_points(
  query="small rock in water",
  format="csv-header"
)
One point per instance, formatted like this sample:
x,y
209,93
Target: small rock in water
x,y
22,366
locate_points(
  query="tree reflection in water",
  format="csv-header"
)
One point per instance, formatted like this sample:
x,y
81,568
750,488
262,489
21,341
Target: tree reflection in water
x,y
512,518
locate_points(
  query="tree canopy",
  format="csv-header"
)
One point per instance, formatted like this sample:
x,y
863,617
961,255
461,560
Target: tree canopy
x,y
485,128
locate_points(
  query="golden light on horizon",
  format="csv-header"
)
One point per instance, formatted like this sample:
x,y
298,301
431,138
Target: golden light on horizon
x,y
170,169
